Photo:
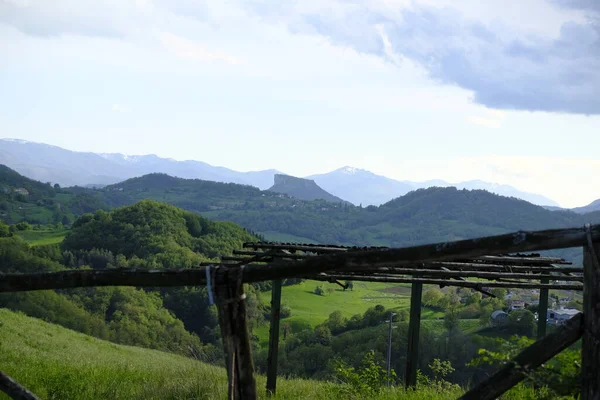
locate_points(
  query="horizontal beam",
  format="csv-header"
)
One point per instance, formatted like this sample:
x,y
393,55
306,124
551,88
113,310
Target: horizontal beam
x,y
469,274
445,282
509,243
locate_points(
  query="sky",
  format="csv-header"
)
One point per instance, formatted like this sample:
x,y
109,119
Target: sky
x,y
502,91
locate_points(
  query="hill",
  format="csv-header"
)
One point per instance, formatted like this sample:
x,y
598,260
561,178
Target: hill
x,y
54,362
364,187
303,189
360,186
594,206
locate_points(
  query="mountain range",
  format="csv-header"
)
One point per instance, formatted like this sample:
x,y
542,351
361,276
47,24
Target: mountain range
x,y
48,163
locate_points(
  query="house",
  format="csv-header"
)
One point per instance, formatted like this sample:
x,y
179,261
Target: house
x,y
22,191
499,318
561,315
516,305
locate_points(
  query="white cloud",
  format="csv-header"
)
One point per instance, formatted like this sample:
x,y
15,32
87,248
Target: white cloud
x,y
188,49
493,119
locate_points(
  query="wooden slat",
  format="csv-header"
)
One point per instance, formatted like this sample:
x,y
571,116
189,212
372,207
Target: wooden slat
x,y
529,359
327,277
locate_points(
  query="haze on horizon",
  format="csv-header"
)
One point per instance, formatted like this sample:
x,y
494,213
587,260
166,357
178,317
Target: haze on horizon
x,y
413,90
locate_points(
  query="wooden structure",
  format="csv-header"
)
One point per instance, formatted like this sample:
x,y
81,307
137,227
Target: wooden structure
x,y
489,262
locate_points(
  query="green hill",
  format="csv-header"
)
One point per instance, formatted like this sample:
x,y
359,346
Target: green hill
x,y
57,363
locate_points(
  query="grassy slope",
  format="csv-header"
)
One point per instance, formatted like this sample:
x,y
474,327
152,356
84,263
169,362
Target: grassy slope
x,y
309,309
56,363
43,236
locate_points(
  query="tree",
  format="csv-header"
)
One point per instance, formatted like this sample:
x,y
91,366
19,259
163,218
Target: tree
x,y
432,297
349,285
523,321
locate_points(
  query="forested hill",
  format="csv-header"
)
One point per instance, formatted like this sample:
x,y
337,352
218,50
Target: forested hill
x,y
422,216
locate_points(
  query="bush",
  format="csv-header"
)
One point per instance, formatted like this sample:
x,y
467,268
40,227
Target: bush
x,y
319,291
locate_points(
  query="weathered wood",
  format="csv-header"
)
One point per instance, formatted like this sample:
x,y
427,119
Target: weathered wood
x,y
414,327
15,390
472,274
529,359
520,260
520,267
106,277
590,350
542,311
272,357
236,339
197,277
447,282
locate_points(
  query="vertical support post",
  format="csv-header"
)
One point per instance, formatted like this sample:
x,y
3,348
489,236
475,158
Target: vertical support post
x,y
273,338
389,350
542,311
236,339
590,349
414,326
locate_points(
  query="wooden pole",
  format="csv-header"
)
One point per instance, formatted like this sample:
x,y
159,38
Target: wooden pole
x,y
414,326
542,311
590,350
274,338
530,358
14,390
236,339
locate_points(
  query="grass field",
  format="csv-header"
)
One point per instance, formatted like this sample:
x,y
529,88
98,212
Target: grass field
x,y
43,236
56,363
309,309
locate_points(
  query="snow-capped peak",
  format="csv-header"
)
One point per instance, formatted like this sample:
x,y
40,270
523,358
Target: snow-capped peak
x,y
349,170
21,141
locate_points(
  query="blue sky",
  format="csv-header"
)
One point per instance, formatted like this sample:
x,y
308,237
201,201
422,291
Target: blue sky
x,y
503,91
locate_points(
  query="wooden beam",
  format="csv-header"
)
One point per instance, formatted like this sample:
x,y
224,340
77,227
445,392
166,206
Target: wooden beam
x,y
542,311
447,282
14,390
530,358
590,350
470,274
272,357
414,327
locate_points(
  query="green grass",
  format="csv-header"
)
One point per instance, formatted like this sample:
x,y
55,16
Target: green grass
x,y
56,363
43,236
309,309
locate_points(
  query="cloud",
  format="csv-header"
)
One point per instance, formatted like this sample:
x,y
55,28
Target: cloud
x,y
504,57
493,119
504,67
188,49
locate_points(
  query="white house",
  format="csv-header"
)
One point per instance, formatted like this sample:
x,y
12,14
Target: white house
x,y
561,315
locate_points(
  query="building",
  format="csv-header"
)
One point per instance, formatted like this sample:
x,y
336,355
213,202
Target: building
x,y
561,315
516,305
22,191
499,318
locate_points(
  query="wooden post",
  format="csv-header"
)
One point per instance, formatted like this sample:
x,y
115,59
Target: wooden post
x,y
273,338
590,350
542,311
236,339
13,389
414,326
528,359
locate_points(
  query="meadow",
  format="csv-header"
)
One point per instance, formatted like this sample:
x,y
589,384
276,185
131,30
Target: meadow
x,y
57,363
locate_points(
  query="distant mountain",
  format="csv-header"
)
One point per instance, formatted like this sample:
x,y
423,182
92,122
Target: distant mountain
x,y
594,206
302,189
49,163
363,187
